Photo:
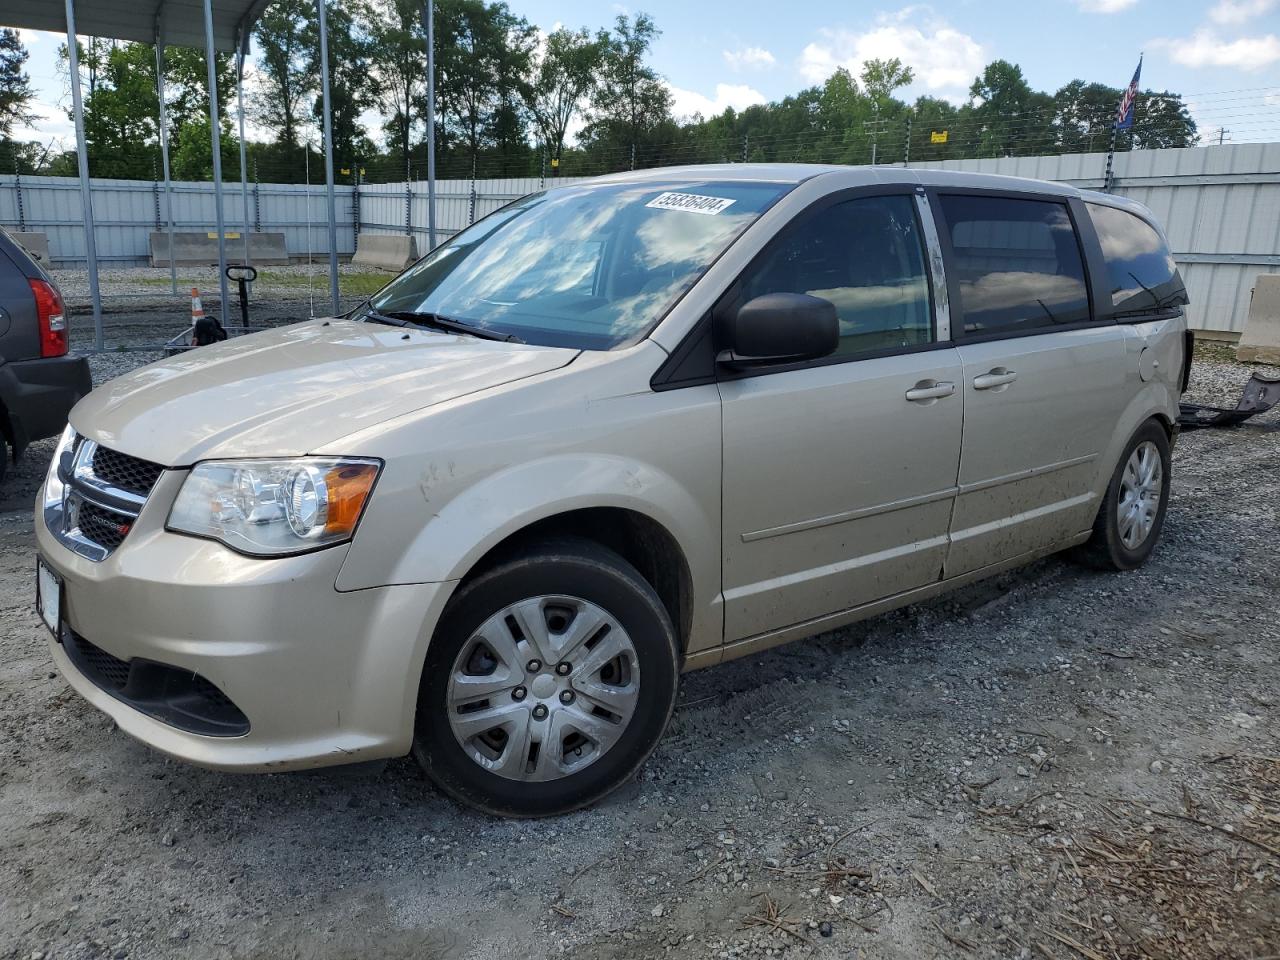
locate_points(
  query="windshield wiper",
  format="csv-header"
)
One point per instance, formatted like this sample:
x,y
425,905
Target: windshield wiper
x,y
423,319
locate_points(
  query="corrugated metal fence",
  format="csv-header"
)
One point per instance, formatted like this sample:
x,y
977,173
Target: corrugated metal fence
x,y
1220,207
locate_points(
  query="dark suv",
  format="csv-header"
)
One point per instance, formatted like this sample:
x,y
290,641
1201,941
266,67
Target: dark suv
x,y
39,383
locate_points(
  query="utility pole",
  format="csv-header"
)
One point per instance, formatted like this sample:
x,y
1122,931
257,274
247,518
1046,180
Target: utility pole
x,y
1222,135
874,128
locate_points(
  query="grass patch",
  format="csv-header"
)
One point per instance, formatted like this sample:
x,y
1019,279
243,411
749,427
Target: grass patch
x,y
351,284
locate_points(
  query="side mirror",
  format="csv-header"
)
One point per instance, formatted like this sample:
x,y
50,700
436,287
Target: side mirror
x,y
780,328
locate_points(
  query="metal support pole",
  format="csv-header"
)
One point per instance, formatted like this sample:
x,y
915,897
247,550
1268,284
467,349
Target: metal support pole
x,y
257,199
155,193
431,123
215,131
242,52
82,162
328,159
17,187
1111,155
164,155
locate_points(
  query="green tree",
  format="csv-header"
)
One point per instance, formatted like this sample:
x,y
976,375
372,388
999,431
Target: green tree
x,y
561,83
15,86
350,84
1161,120
120,113
483,73
288,76
1008,117
630,102
880,78
398,56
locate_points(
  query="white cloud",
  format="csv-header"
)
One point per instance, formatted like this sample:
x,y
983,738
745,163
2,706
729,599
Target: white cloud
x,y
685,103
749,58
50,126
1105,6
1204,48
1239,11
943,58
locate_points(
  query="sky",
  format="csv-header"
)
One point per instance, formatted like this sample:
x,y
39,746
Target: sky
x,y
1222,55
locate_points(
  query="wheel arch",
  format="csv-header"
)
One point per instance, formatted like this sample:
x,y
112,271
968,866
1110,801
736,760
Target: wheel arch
x,y
635,536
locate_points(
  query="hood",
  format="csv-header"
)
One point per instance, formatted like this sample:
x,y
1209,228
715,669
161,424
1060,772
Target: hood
x,y
289,391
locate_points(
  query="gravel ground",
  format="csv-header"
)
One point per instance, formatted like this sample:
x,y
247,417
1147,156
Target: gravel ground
x,y
126,288
140,312
1055,764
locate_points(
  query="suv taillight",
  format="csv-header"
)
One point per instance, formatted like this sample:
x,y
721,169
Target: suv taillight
x,y
52,318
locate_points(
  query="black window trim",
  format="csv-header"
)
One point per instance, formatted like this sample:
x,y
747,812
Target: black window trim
x,y
1086,242
697,350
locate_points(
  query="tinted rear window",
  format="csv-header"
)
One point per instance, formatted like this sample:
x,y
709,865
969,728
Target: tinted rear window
x,y
1018,263
1141,274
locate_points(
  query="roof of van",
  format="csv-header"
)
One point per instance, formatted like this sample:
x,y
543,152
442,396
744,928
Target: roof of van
x,y
794,173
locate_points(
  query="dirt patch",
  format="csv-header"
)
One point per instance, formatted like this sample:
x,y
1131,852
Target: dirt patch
x,y
1055,764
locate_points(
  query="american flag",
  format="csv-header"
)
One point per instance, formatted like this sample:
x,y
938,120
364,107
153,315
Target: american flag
x,y
1124,113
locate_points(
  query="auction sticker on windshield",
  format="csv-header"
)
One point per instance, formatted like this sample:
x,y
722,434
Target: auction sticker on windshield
x,y
689,202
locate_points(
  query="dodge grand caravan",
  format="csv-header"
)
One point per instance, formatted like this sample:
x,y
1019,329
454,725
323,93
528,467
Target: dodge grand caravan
x,y
613,431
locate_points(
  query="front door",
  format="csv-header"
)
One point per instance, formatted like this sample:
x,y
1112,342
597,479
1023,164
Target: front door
x,y
1040,401
839,475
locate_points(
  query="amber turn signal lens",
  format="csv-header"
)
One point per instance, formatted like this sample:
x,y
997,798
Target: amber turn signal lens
x,y
349,486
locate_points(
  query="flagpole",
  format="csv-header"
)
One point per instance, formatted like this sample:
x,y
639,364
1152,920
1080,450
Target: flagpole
x,y
1111,156
1123,120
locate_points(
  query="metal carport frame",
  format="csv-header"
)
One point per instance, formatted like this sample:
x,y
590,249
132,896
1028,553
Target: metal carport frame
x,y
215,25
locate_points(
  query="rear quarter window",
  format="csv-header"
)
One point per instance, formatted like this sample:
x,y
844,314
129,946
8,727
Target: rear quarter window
x,y
1141,274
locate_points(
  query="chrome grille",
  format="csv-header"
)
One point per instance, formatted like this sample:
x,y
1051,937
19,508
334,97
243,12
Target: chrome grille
x,y
100,525
103,494
126,472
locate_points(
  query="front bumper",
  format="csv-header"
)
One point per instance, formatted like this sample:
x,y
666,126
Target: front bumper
x,y
321,677
38,395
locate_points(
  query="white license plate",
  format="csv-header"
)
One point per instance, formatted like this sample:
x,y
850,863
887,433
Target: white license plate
x,y
48,596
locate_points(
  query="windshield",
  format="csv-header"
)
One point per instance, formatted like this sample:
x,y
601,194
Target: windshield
x,y
589,266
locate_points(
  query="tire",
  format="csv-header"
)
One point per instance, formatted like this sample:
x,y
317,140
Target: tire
x,y
478,734
1113,546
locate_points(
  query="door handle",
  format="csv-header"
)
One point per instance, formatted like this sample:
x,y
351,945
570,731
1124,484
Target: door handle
x,y
927,390
999,377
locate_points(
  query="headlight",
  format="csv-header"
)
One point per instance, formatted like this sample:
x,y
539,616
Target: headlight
x,y
274,507
53,482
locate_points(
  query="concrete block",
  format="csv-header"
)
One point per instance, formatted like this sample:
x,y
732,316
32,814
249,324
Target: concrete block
x,y
36,244
201,249
1260,342
384,250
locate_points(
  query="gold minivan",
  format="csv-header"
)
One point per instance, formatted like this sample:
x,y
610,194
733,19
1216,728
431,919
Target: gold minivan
x,y
613,431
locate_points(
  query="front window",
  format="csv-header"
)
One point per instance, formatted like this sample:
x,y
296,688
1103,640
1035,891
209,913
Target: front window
x,y
591,266
866,257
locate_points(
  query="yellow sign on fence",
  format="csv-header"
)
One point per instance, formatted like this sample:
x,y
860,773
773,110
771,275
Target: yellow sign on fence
x,y
937,136
228,236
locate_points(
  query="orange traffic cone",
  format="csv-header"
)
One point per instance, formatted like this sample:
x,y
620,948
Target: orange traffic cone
x,y
197,314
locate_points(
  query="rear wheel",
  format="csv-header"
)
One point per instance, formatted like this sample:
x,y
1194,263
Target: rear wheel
x,y
1131,516
549,682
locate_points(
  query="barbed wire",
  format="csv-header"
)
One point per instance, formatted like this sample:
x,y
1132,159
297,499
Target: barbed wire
x,y
1250,113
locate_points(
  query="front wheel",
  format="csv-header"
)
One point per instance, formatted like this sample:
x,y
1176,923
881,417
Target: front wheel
x,y
1131,516
548,683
